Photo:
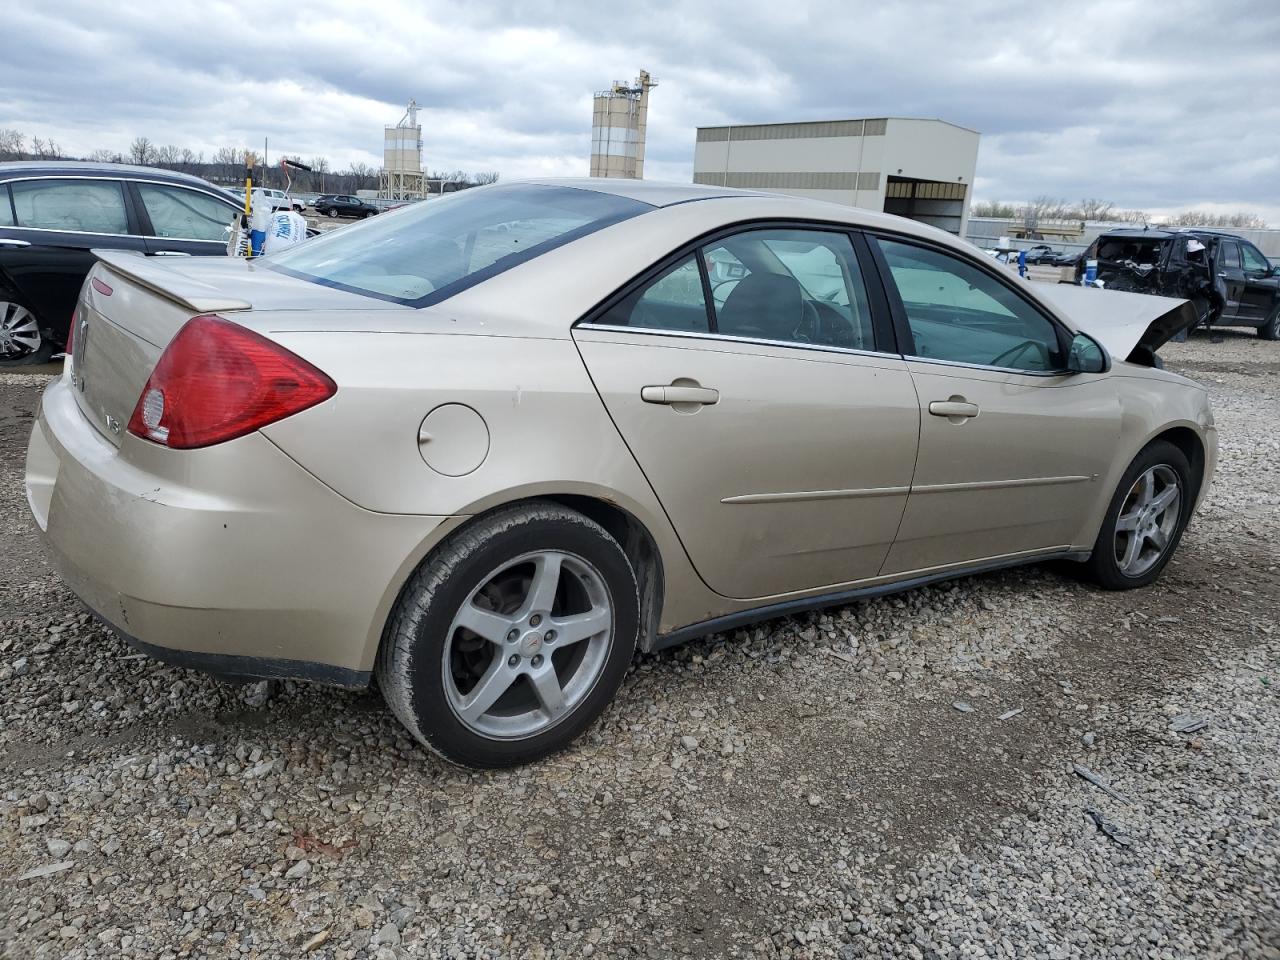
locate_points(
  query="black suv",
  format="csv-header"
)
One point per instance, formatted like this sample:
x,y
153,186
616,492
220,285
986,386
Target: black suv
x,y
1226,277
340,205
52,214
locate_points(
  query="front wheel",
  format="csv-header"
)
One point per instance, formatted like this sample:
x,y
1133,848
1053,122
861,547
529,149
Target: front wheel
x,y
368,214
332,213
512,637
1145,519
22,342
1271,329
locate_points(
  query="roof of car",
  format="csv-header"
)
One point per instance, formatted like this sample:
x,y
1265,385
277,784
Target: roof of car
x,y
656,193
84,168
1169,233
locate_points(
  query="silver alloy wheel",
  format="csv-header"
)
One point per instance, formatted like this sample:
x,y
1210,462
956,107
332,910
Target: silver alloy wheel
x,y
528,645
19,331
1148,520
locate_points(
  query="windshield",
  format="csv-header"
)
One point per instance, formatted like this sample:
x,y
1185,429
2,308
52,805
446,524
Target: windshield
x,y
433,249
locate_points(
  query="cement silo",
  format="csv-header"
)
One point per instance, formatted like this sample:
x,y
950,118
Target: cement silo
x,y
618,129
402,177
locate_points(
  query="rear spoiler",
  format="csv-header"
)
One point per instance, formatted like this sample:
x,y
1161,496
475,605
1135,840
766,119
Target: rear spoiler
x,y
163,275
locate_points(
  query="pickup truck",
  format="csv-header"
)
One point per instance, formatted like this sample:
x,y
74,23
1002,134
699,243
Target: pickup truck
x,y
1226,278
282,201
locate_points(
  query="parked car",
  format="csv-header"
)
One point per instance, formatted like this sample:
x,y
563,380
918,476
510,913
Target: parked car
x,y
52,214
1041,253
279,200
1067,258
341,205
488,447
1225,276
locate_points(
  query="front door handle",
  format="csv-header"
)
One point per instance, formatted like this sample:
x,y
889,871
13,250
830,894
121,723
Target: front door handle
x,y
680,393
957,408
7,242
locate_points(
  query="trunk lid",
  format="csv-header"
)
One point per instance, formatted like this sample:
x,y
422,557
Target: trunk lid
x,y
131,306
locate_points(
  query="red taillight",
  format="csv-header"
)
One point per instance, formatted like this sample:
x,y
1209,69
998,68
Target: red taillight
x,y
101,287
71,331
217,381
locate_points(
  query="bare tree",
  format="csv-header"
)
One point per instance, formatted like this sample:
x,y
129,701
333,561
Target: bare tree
x,y
11,144
167,156
141,151
1241,220
1093,208
993,208
106,156
484,178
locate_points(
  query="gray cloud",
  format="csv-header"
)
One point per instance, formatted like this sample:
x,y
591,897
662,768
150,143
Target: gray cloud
x,y
1159,106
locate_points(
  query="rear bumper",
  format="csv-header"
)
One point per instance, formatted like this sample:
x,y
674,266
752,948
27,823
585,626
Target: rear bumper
x,y
259,570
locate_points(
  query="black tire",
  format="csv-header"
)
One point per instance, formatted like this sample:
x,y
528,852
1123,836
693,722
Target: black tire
x,y
410,663
1103,567
368,214
43,352
1271,329
332,213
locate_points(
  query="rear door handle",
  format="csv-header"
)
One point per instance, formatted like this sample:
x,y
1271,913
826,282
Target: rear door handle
x,y
955,407
679,394
7,242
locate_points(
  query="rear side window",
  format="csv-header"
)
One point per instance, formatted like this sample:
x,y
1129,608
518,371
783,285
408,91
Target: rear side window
x,y
186,214
790,286
82,206
432,250
674,301
1228,254
6,207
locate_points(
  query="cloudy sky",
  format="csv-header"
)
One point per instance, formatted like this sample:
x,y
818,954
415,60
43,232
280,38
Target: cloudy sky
x,y
1161,106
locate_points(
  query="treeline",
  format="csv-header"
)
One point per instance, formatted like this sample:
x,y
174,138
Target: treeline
x,y
226,165
1092,208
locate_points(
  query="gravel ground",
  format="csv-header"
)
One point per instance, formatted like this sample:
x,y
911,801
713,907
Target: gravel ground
x,y
844,784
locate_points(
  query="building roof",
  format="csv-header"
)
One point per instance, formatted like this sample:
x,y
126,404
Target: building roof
x,y
842,120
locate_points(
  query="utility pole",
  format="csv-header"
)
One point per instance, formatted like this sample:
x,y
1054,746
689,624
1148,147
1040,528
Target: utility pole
x,y
266,161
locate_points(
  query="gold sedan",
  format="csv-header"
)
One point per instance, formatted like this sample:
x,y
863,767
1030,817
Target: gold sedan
x,y
488,446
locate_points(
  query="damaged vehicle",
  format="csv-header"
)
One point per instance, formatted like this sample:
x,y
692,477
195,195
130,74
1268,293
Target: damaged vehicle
x,y
1225,277
488,447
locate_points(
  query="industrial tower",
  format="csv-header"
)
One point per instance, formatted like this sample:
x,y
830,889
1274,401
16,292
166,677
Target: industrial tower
x,y
618,129
402,177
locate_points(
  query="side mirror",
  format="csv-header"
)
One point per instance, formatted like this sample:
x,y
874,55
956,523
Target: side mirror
x,y
1086,355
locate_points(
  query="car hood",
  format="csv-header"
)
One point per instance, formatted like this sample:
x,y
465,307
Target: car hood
x,y
1131,326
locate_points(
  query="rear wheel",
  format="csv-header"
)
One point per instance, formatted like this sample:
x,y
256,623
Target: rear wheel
x,y
22,342
512,637
1145,519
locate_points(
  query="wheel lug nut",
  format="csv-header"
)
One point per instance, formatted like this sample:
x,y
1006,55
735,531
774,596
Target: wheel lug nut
x,y
537,661
513,660
513,636
551,635
535,620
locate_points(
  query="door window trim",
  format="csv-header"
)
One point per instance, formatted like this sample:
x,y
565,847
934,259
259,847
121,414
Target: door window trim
x,y
883,332
902,327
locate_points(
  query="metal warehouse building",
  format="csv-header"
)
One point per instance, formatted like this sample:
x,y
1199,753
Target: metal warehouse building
x,y
922,169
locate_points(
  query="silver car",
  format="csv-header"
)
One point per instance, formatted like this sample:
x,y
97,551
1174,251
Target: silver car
x,y
488,446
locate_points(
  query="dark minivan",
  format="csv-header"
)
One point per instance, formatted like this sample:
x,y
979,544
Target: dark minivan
x,y
52,215
1225,277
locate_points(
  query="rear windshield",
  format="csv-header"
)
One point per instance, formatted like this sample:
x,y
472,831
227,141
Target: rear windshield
x,y
431,250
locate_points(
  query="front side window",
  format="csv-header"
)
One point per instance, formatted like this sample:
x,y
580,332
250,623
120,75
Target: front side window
x,y
186,214
961,314
791,286
81,206
1254,261
1228,255
674,301
429,251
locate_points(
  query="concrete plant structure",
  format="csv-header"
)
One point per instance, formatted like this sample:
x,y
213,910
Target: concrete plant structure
x,y
618,122
922,169
402,176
